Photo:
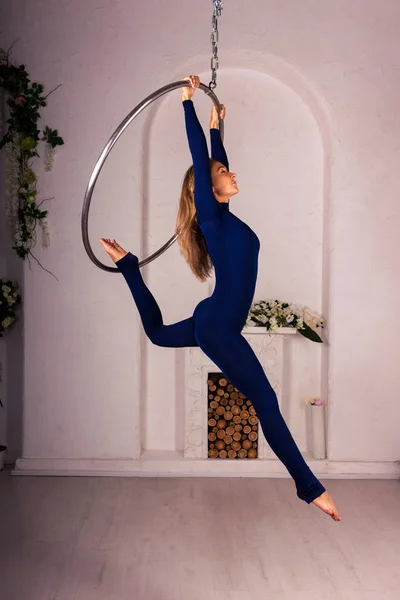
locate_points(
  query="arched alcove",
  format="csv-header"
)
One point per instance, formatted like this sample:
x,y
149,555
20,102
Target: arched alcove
x,y
278,141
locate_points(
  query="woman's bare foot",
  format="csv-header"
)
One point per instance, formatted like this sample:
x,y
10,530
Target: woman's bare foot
x,y
325,503
113,249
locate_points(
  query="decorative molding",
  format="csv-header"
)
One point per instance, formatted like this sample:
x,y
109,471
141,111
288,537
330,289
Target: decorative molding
x,y
172,464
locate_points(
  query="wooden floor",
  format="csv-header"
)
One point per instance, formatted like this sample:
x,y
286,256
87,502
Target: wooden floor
x,y
196,539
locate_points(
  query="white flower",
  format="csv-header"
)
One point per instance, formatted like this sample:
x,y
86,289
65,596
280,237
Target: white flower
x,y
7,321
13,154
272,315
49,160
45,232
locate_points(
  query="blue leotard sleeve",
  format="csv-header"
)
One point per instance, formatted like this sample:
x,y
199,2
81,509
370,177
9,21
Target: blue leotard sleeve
x,y
217,148
207,207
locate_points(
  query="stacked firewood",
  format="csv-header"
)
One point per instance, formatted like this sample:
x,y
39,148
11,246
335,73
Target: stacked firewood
x,y
232,421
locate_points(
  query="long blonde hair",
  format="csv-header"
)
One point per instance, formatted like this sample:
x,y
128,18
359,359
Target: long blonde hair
x,y
190,237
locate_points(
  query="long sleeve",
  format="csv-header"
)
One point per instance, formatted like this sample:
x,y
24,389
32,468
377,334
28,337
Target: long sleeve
x,y
206,205
217,147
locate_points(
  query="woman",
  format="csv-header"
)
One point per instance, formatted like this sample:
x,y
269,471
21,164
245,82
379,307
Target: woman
x,y
210,235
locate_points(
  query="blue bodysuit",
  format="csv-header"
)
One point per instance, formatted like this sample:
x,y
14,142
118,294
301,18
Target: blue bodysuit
x,y
217,321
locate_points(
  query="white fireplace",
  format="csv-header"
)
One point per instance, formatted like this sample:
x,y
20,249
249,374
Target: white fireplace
x,y
269,349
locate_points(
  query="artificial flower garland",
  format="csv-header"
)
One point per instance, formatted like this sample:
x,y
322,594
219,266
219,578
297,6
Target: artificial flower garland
x,y
24,99
9,298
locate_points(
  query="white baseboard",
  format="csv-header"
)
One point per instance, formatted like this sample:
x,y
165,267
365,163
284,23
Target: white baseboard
x,y
172,464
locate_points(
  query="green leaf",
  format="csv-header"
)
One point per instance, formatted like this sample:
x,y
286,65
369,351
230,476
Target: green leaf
x,y
22,122
310,334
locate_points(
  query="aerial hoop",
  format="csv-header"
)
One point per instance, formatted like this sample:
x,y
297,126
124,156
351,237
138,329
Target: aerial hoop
x,y
103,156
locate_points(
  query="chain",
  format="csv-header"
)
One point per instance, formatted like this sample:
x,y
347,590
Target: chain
x,y
214,43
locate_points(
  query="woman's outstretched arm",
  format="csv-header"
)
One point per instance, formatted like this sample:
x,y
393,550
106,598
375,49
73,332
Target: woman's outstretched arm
x,y
205,202
217,147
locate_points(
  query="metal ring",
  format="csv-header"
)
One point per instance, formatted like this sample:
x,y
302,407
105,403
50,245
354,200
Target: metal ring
x,y
107,149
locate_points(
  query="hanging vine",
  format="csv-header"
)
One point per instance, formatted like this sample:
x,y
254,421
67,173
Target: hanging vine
x,y
21,139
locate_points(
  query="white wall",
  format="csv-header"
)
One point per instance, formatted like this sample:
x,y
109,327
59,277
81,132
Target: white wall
x,y
312,130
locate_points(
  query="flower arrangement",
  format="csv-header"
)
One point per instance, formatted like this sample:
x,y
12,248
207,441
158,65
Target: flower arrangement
x,y
24,100
272,314
314,402
9,298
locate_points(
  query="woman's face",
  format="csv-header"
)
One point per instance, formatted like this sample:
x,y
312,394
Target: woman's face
x,y
223,181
